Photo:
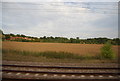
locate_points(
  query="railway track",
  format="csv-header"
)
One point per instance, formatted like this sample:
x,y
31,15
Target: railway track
x,y
40,72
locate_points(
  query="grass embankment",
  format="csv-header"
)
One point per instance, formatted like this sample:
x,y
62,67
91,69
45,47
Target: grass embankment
x,y
50,56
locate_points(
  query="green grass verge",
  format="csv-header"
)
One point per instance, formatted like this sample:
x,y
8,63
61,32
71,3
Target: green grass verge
x,y
51,54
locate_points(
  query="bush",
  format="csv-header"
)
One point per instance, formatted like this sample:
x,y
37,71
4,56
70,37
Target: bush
x,y
107,52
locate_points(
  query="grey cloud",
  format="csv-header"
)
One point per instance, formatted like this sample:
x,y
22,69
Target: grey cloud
x,y
57,22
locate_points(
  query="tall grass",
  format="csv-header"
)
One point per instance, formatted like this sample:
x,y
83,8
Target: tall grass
x,y
51,54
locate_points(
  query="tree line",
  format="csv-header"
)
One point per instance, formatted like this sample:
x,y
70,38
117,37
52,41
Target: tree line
x,y
100,40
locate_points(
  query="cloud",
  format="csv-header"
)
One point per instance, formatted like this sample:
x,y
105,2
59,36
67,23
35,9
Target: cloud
x,y
60,1
57,19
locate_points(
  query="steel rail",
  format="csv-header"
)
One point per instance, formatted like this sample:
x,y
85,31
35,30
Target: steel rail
x,y
63,67
9,79
82,73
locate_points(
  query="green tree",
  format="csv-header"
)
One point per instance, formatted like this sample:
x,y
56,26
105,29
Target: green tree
x,y
107,52
7,36
12,35
23,35
18,35
44,37
116,41
77,38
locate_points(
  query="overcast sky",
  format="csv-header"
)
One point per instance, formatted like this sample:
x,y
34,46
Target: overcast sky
x,y
63,19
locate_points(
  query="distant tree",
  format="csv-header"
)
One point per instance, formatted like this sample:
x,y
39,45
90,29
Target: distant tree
x,y
44,37
116,41
7,36
12,35
77,38
71,40
18,35
23,35
51,37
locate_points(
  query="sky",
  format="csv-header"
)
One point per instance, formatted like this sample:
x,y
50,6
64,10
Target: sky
x,y
60,18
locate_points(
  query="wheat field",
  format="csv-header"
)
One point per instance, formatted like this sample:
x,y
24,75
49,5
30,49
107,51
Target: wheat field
x,y
81,49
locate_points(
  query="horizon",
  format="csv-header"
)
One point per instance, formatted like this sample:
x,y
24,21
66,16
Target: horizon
x,y
63,37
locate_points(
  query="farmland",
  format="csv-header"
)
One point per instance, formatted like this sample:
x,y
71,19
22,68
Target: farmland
x,y
77,49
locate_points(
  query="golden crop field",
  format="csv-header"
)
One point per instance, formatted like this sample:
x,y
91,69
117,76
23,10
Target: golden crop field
x,y
81,49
